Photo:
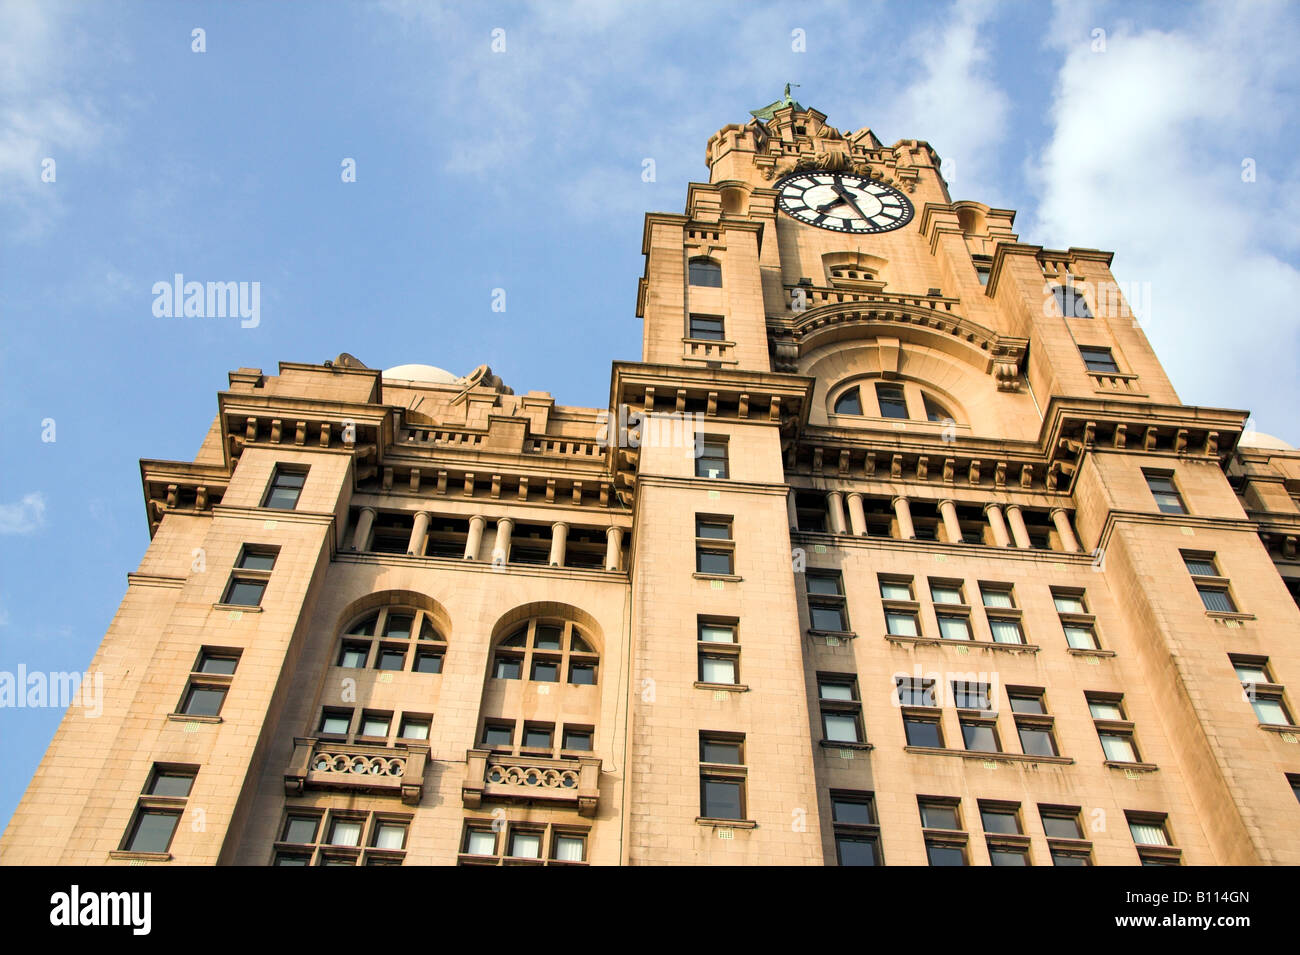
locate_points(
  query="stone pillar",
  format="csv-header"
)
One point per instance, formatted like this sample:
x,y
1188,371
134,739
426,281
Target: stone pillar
x,y
835,511
365,521
501,548
994,513
857,517
559,541
1062,520
613,548
1019,533
948,511
791,512
419,534
903,511
475,538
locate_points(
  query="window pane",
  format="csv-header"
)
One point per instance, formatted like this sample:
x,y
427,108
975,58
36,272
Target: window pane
x,y
705,273
245,593
301,829
841,727
891,400
714,530
856,850
415,729
953,628
1105,710
498,735
1006,631
570,848
852,812
204,701
706,327
895,591
1037,741
1148,834
251,560
923,733
153,831
721,799
582,674
548,638
1081,638
537,738
980,737
1068,858
997,598
428,663
335,724
507,668
215,664
713,562
828,584
717,751
1061,827
374,726
1026,703
1201,567
391,659
1000,856
546,671
390,836
935,411
1001,822
826,618
171,784
849,403
1099,360
353,656
834,690
1251,673
1216,600
526,845
577,740
942,594
945,855
717,670
901,624
399,626
1271,711
1068,604
345,832
970,696
717,633
911,693
481,842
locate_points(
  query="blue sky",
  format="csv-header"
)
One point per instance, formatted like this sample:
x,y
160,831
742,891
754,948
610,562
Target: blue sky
x,y
521,170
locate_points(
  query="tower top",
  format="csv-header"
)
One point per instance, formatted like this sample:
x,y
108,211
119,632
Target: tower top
x,y
767,111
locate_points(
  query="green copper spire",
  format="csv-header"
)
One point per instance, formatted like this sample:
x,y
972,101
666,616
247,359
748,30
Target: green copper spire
x,y
766,112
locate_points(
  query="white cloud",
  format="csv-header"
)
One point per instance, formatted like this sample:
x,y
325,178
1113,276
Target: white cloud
x,y
23,517
1145,159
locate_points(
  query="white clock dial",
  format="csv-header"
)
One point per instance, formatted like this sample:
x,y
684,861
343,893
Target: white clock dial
x,y
843,202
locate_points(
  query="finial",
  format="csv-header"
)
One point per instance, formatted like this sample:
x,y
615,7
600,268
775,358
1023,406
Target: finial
x,y
767,111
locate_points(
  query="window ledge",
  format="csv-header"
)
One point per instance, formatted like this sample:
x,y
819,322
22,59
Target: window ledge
x,y
1229,615
1000,757
699,576
840,634
726,823
1081,652
240,607
141,856
1280,727
187,718
1134,767
981,644
729,687
845,744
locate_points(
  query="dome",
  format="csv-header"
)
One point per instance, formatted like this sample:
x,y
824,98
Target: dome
x,y
429,373
1258,439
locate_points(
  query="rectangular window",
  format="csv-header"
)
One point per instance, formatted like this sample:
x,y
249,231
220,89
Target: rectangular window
x,y
1213,588
711,456
1099,360
923,731
714,549
538,736
717,669
1118,747
1166,495
841,710
971,696
1000,820
1077,623
499,735
717,651
569,848
998,596
159,809
1034,726
953,627
1005,630
722,776
285,488
826,603
1264,696
891,400
1061,823
901,623
203,700
545,671
353,655
944,592
706,327
897,589
375,724
152,830
507,667
243,592
945,843
335,722
481,842
415,727
857,834
981,736
577,739
914,692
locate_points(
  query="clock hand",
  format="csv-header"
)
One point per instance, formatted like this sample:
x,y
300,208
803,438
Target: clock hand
x,y
845,197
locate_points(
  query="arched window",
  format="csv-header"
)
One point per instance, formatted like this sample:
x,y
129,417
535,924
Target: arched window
x,y
1070,302
935,411
849,403
705,272
546,651
393,638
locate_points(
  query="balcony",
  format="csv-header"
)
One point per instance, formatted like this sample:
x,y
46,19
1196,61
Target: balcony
x,y
358,767
502,776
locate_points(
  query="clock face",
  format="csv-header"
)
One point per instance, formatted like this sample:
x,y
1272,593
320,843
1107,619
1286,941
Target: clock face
x,y
843,202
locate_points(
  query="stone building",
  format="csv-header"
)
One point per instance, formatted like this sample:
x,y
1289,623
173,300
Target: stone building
x,y
896,546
